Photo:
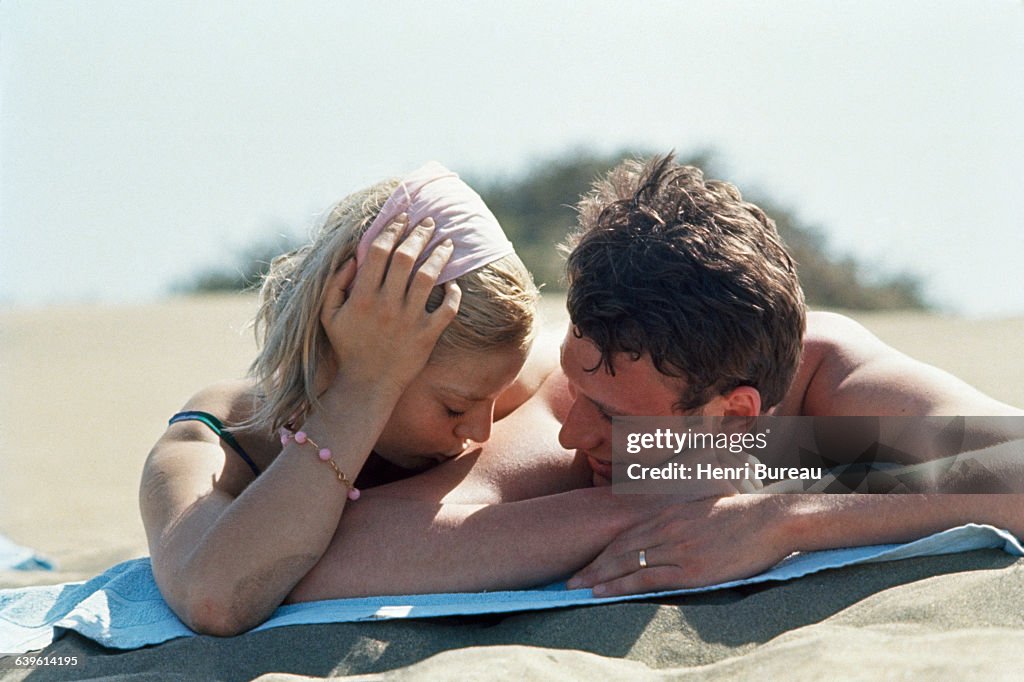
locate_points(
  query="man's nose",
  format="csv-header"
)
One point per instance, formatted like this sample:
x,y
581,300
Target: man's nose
x,y
578,432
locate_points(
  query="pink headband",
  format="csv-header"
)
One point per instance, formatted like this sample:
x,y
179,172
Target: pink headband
x,y
459,213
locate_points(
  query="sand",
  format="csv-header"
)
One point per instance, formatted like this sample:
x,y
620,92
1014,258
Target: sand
x,y
86,390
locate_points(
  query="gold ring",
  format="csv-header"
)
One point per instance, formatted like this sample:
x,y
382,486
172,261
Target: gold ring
x,y
643,558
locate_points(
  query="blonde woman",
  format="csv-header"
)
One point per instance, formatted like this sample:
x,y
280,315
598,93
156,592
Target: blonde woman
x,y
388,345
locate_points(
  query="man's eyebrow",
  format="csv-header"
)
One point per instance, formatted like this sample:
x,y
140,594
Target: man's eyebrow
x,y
607,409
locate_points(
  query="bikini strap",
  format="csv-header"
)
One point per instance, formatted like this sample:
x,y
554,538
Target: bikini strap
x,y
218,428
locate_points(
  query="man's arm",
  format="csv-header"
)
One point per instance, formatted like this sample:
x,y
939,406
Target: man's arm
x,y
506,515
496,518
404,546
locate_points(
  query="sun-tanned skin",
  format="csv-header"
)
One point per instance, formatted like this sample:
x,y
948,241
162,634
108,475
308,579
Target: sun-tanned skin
x,y
417,535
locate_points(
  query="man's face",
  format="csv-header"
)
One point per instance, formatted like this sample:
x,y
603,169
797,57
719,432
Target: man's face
x,y
637,389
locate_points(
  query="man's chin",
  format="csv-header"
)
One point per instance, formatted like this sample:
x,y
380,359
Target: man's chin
x,y
600,481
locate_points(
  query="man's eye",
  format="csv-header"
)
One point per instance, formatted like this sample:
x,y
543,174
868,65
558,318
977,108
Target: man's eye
x,y
454,414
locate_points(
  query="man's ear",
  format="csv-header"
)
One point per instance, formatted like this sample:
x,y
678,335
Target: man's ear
x,y
742,401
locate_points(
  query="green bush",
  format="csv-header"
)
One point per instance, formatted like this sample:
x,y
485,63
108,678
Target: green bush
x,y
536,210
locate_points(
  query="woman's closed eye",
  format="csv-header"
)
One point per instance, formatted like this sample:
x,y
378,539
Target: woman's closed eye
x,y
454,414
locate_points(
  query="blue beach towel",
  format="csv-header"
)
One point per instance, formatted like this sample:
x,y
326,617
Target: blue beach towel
x,y
123,609
18,558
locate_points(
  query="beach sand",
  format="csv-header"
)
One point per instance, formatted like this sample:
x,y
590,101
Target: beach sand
x,y
86,390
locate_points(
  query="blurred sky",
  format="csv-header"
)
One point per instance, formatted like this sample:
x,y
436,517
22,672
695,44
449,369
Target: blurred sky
x,y
144,141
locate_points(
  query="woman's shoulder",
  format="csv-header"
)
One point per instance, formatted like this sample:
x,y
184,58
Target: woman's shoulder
x,y
202,434
232,401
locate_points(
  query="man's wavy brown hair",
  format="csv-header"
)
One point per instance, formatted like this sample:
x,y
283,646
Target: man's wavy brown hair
x,y
669,264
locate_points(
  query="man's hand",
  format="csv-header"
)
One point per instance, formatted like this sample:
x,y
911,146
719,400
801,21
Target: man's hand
x,y
691,544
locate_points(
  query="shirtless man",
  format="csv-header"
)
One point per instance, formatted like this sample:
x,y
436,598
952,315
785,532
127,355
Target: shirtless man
x,y
683,301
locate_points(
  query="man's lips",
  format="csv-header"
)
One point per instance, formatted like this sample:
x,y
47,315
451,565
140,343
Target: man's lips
x,y
600,467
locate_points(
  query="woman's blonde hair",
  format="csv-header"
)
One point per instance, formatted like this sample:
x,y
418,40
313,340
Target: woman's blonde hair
x,y
497,311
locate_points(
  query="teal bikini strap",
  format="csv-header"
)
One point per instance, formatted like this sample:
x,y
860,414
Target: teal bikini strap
x,y
217,427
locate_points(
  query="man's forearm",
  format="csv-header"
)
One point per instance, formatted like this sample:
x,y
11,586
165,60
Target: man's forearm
x,y
813,522
399,546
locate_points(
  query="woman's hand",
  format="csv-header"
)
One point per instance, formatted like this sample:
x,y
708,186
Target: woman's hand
x,y
379,327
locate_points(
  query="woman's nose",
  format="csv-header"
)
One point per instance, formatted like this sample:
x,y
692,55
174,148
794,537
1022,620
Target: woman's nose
x,y
477,425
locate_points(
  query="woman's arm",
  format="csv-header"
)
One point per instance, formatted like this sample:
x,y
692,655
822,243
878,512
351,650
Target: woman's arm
x,y
224,553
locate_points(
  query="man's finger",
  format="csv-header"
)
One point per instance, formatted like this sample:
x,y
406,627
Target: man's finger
x,y
654,579
612,565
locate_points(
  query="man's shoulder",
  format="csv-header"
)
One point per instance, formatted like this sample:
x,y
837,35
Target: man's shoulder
x,y
848,371
833,344
836,332
837,343
554,396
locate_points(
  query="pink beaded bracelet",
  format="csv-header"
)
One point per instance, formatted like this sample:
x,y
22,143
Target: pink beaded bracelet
x,y
300,437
